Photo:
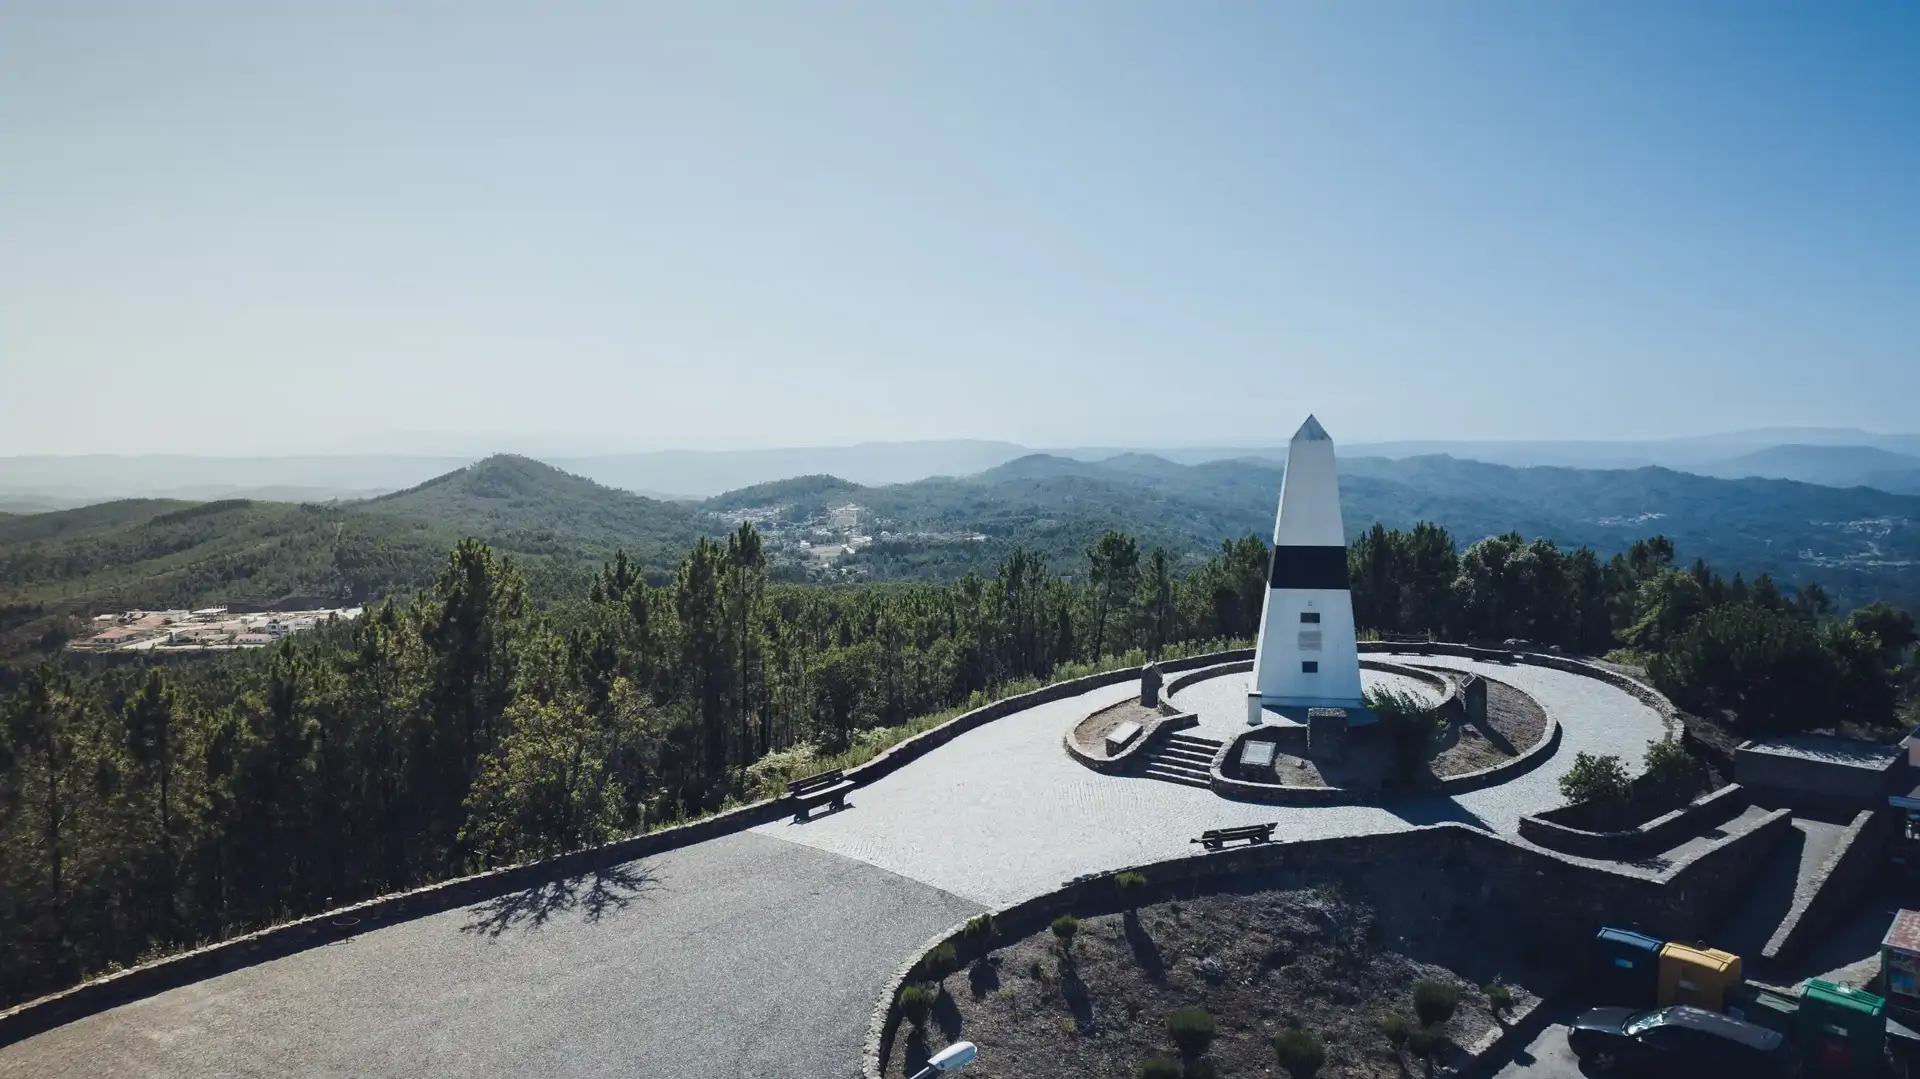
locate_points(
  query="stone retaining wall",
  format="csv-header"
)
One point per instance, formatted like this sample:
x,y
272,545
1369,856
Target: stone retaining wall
x,y
1246,790
1554,901
1152,731
920,744
1830,893
1642,692
147,979
1240,662
1656,835
1250,790
1519,764
1820,770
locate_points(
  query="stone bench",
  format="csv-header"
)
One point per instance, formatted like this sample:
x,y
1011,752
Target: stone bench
x,y
1121,737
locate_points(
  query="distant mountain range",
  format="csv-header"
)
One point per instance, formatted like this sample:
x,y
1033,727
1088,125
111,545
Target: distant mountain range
x,y
1833,466
1862,544
1834,457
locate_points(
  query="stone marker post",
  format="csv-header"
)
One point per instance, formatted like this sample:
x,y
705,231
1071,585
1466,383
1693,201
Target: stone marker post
x,y
1326,733
1150,685
1473,697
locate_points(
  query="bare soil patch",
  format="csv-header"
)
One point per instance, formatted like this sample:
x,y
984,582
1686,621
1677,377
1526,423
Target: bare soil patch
x,y
1515,723
1335,960
1091,733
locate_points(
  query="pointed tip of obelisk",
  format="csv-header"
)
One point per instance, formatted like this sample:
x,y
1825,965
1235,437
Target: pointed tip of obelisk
x,y
1311,431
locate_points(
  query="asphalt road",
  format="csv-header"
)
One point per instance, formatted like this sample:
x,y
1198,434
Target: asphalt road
x,y
744,956
1547,1055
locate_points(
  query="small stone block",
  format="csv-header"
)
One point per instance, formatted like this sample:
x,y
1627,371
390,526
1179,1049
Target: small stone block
x,y
1327,732
1257,754
1122,736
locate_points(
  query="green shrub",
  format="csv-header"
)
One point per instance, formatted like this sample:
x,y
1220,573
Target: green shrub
x,y
1065,927
1499,997
916,1000
1191,1029
1425,1043
1671,770
1301,1052
1131,887
1159,1068
941,961
1202,1068
980,926
1434,1002
1600,779
1397,1028
1411,728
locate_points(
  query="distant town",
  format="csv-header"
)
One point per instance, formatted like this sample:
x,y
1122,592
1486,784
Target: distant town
x,y
820,542
208,629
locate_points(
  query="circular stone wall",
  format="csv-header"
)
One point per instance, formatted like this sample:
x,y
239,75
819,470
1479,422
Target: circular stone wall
x,y
1220,700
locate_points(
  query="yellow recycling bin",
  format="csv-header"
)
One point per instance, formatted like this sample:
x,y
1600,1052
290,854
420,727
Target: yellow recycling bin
x,y
1697,976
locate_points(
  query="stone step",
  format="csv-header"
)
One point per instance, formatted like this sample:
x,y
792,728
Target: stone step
x,y
1184,778
1176,764
1201,757
1188,741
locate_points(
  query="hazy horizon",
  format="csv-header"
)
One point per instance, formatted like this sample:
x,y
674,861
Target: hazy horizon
x,y
584,229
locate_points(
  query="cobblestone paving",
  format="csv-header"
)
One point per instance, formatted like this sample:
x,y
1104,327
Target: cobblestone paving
x,y
1001,813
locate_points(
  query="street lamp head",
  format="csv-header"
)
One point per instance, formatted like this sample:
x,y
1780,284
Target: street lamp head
x,y
953,1057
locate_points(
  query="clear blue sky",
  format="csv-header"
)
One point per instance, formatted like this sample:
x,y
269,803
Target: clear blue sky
x,y
227,228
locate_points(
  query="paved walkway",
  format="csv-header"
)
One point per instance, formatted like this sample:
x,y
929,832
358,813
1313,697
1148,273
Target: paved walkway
x,y
743,956
1001,813
752,955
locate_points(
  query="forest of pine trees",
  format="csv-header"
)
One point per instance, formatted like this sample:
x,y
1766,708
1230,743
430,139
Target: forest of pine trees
x,y
144,809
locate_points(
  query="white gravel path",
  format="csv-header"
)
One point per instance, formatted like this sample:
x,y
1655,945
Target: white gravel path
x,y
1001,814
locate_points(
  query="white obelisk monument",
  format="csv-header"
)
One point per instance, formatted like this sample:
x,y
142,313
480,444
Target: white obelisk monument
x,y
1307,656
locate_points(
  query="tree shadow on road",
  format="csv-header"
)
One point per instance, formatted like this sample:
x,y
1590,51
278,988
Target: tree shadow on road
x,y
593,895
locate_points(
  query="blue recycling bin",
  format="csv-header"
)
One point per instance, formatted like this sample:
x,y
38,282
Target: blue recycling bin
x,y
1626,968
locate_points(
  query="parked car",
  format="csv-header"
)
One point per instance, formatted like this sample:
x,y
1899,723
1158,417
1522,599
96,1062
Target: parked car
x,y
1678,1041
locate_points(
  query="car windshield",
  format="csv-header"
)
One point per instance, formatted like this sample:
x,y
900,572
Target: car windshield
x,y
1641,1023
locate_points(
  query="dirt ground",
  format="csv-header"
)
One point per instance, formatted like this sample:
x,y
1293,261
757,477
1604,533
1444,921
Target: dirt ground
x,y
1262,962
1515,722
1091,733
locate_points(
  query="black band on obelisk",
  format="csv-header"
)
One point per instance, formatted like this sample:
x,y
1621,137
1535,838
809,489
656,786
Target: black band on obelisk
x,y
1309,567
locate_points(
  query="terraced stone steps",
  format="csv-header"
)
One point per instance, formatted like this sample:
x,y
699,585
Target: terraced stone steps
x,y
1183,758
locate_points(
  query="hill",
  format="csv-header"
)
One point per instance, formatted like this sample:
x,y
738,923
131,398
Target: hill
x,y
525,506
1860,543
1834,466
248,554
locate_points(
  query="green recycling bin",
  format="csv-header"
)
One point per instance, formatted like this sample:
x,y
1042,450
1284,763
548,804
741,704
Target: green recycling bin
x,y
1843,1031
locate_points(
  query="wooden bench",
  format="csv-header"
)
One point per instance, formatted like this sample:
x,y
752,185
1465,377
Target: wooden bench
x,y
826,788
1216,838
